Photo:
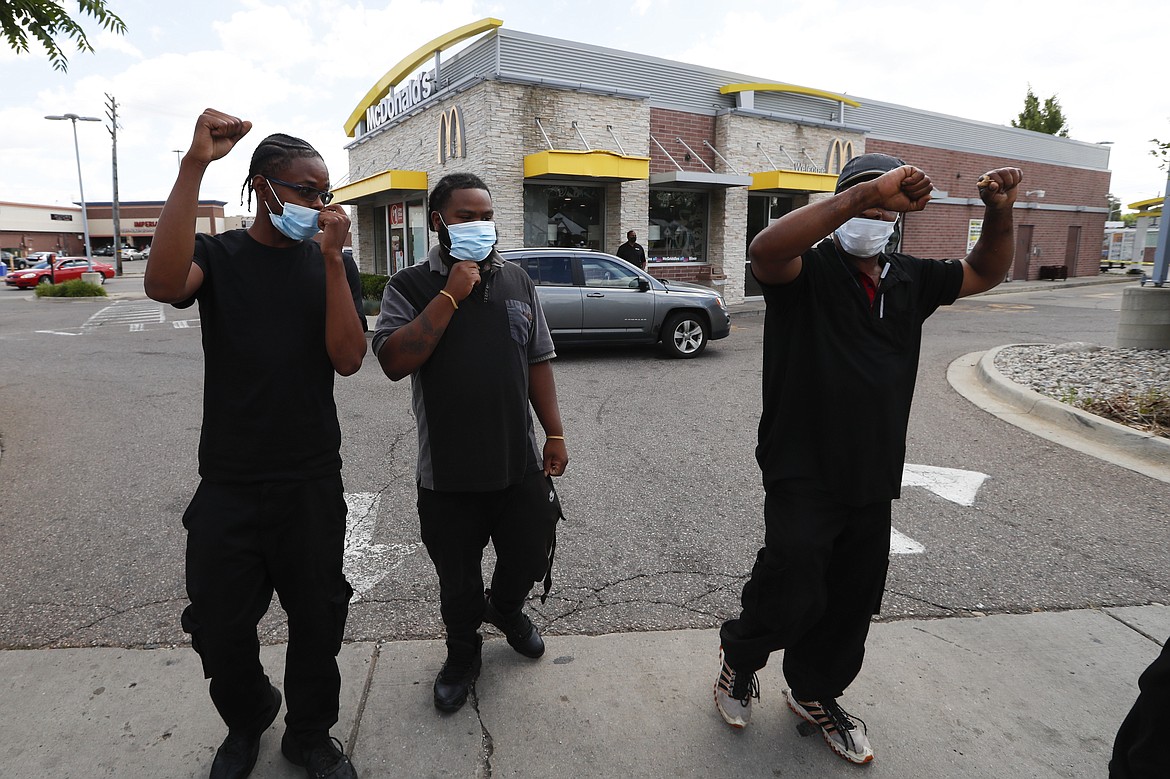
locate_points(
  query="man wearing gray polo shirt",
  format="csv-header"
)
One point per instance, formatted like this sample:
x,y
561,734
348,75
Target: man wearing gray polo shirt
x,y
469,331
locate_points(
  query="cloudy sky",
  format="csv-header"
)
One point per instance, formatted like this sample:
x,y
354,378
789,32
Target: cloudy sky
x,y
301,66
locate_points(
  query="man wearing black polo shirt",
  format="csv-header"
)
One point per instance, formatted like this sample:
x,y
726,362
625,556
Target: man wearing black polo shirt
x,y
469,331
269,513
841,343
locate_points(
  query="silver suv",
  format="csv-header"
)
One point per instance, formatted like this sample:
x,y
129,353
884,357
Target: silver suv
x,y
590,297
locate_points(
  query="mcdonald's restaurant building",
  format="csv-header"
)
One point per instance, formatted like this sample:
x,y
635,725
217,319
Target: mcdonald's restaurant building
x,y
579,144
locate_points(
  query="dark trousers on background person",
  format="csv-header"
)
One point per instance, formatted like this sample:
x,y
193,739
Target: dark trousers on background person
x,y
1139,751
456,527
243,542
814,587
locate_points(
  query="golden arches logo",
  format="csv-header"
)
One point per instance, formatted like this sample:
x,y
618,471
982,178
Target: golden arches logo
x,y
840,152
451,134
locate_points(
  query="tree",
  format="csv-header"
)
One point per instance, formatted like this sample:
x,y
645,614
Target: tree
x,y
47,20
1161,150
1048,118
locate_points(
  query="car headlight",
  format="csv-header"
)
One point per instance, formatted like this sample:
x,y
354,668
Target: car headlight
x,y
722,302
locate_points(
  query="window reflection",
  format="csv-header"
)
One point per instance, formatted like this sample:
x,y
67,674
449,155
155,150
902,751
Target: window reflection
x,y
678,226
563,215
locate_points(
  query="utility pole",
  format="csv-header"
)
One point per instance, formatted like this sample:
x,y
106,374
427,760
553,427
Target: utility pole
x,y
112,114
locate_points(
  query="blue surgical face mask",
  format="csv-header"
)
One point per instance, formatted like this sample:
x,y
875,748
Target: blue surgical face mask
x,y
297,222
471,240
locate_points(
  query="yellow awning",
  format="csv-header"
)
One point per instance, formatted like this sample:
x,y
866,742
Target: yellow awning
x,y
795,180
1138,206
386,181
598,164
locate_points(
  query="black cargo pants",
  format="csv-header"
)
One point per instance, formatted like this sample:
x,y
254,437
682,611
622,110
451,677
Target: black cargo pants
x,y
243,542
814,587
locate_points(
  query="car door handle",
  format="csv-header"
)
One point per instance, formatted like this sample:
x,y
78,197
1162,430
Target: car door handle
x,y
595,294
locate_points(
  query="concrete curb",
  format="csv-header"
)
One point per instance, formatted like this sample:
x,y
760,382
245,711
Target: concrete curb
x,y
1103,431
975,377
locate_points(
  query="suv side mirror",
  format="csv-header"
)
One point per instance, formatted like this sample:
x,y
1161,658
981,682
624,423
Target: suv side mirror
x,y
643,285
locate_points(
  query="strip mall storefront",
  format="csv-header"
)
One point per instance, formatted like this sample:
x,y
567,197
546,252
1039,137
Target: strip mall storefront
x,y
580,144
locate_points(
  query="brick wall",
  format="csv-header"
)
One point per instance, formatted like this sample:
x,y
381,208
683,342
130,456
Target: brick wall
x,y
666,126
940,230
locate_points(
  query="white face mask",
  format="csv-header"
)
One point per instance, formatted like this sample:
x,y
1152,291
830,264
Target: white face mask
x,y
861,237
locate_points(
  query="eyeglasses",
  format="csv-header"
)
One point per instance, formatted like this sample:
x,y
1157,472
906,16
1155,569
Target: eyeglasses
x,y
308,193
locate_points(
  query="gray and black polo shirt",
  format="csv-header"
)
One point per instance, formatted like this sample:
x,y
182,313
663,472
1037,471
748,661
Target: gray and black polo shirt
x,y
480,364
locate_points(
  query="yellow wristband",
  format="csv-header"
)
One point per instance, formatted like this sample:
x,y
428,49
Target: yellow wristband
x,y
555,437
450,297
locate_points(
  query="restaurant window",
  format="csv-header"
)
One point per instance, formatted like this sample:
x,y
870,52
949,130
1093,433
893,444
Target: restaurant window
x,y
416,226
564,215
763,210
381,240
678,226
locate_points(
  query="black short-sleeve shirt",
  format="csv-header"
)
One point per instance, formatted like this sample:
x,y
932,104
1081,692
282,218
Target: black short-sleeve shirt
x,y
268,409
839,371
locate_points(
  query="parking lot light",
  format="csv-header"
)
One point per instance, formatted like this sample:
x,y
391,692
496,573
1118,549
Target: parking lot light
x,y
74,118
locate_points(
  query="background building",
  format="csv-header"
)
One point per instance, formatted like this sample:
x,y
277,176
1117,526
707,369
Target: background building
x,y
579,144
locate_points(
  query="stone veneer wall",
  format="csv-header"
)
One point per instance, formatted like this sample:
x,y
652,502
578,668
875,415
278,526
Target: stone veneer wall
x,y
499,130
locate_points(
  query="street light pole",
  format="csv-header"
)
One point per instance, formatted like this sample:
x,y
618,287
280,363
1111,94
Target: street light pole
x,y
77,151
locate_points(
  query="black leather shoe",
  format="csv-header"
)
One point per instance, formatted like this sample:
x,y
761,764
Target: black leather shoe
x,y
319,754
236,756
522,635
457,675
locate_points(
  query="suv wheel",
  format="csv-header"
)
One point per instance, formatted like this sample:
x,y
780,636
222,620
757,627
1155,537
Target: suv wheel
x,y
684,334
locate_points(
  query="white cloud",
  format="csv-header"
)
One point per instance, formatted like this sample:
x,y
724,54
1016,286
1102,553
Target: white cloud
x,y
302,66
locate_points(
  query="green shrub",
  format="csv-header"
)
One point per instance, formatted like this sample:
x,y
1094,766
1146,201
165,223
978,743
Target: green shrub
x,y
372,285
75,288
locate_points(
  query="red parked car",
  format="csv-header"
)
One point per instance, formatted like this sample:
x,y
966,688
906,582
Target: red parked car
x,y
65,269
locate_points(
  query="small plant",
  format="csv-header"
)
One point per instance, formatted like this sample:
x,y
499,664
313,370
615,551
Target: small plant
x,y
373,285
75,288
1148,411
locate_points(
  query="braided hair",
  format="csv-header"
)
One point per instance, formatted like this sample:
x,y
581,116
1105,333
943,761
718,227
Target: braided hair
x,y
273,153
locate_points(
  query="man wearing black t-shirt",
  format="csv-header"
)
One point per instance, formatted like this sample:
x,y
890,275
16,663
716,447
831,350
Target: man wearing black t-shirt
x,y
269,513
632,252
841,342
469,331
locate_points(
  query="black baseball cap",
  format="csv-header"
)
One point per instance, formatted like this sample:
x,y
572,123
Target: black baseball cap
x,y
864,168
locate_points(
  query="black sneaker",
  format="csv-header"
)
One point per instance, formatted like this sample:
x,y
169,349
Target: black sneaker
x,y
522,635
236,756
319,754
458,675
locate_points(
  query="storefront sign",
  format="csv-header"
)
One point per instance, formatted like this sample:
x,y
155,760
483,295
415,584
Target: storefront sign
x,y
406,97
61,217
840,152
451,134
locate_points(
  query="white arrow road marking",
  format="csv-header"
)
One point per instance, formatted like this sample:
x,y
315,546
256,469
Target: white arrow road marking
x,y
953,484
900,544
55,332
365,563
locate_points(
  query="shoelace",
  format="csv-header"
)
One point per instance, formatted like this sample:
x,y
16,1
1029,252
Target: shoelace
x,y
325,757
752,691
838,720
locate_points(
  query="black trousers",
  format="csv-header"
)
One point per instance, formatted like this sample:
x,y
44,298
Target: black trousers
x,y
813,589
243,542
1140,748
456,526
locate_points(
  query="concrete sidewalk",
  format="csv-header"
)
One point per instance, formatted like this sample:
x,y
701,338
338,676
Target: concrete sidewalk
x,y
1033,695
1008,695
